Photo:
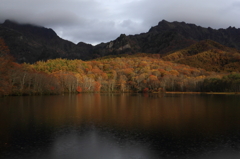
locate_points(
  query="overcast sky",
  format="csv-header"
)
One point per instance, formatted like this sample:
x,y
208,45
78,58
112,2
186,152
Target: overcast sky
x,y
95,21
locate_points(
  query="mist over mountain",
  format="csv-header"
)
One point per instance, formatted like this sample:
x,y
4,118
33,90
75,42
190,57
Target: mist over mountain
x,y
30,43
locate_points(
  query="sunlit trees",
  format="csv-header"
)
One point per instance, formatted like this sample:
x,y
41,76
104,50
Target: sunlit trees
x,y
153,83
122,74
122,83
87,84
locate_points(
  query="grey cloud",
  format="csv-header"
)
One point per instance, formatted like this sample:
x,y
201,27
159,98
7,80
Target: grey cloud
x,y
95,21
102,31
174,10
39,10
58,17
126,23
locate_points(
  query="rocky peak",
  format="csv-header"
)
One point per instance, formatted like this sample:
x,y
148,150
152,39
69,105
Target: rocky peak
x,y
82,44
172,26
122,37
121,43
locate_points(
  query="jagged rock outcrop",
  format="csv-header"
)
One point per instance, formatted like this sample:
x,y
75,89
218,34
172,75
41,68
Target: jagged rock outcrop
x,y
171,36
29,43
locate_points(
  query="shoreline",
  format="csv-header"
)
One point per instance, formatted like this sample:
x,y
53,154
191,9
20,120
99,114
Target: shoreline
x,y
230,93
222,93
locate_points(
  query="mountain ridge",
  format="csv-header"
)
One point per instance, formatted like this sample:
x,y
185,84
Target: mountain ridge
x,y
172,36
30,43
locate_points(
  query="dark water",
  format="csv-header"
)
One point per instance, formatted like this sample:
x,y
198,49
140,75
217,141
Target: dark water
x,y
120,126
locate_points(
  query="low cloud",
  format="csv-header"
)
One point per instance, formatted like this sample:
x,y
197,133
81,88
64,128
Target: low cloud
x,y
95,21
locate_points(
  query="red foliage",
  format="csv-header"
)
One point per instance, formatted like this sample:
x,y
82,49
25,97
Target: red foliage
x,y
79,89
145,90
87,69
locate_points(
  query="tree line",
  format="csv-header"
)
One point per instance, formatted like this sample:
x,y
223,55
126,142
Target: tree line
x,y
136,73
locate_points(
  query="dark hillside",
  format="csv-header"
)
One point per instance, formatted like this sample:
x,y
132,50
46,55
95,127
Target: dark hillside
x,y
30,43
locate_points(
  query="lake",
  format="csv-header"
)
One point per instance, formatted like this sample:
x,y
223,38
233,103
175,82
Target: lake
x,y
120,126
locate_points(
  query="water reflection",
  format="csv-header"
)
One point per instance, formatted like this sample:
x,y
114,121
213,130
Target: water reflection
x,y
120,126
94,144
175,113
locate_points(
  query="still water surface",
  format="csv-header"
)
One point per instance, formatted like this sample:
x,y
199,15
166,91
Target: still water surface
x,y
120,126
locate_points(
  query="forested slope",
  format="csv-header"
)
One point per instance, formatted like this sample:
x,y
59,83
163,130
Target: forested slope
x,y
208,55
136,73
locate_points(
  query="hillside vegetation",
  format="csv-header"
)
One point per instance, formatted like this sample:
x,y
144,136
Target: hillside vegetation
x,y
136,73
208,55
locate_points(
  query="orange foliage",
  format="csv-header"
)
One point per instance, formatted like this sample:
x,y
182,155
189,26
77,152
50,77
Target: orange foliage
x,y
97,87
128,71
125,74
96,71
174,72
153,78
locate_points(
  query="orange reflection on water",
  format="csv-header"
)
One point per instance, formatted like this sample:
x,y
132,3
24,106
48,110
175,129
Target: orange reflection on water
x,y
173,113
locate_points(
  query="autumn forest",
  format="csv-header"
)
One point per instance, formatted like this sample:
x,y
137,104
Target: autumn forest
x,y
124,73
